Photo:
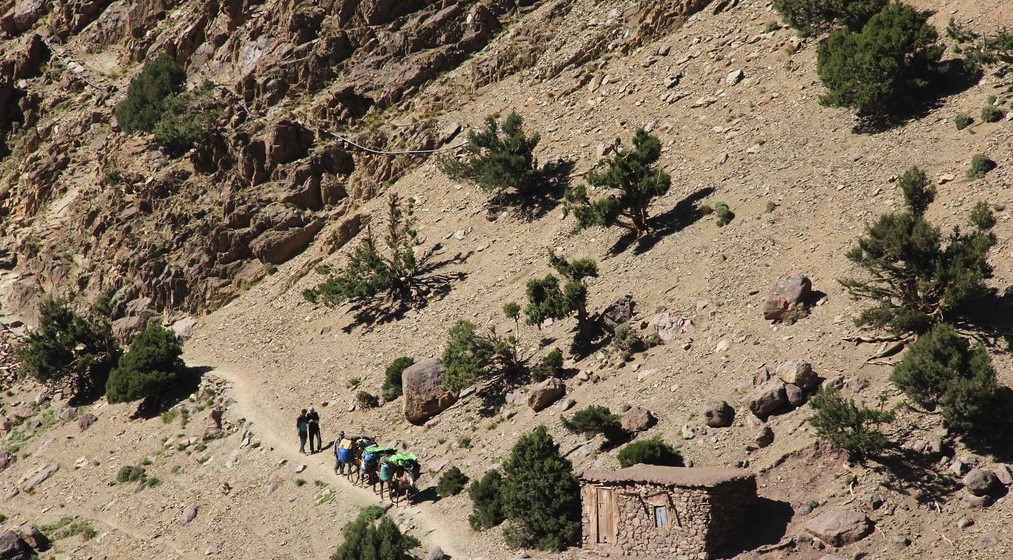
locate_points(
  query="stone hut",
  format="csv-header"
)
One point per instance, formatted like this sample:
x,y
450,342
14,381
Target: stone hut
x,y
664,512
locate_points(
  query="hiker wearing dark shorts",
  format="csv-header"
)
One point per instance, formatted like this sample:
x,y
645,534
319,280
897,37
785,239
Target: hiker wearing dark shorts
x,y
314,424
302,427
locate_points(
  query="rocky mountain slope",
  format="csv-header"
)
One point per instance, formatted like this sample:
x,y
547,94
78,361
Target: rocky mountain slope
x,y
230,233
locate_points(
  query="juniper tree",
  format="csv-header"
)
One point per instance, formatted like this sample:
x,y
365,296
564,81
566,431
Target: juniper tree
x,y
881,69
498,158
146,97
630,183
149,369
471,355
595,419
941,369
487,501
372,535
547,300
652,451
916,276
540,495
811,17
848,426
387,267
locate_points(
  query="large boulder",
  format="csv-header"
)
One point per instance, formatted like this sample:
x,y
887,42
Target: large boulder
x,y
797,372
33,537
637,419
839,528
718,414
545,393
213,425
667,326
621,311
13,547
86,420
424,395
979,482
767,398
786,294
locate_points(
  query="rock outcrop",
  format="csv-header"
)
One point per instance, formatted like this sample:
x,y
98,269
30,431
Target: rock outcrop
x,y
424,395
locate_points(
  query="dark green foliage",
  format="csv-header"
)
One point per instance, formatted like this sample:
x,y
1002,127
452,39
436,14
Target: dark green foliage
x,y
918,277
392,377
186,119
724,214
541,496
498,158
942,369
880,70
470,355
546,300
551,365
981,50
848,426
651,451
369,539
487,501
150,368
630,183
451,483
393,271
130,473
146,97
67,348
595,419
811,17
962,121
991,114
980,166
367,399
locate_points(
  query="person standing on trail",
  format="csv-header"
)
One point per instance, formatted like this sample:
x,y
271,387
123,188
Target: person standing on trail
x,y
302,428
314,424
338,465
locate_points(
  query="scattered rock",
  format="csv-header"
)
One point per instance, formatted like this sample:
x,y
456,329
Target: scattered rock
x,y
718,414
67,413
39,476
545,393
667,326
767,398
1002,474
213,425
567,404
794,395
797,372
964,522
834,383
764,437
6,460
637,419
424,396
839,528
786,294
86,420
13,547
620,312
188,514
734,77
33,537
435,553
979,482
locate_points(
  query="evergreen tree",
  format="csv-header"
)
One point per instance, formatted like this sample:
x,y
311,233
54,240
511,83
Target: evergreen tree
x,y
68,349
451,483
546,300
811,17
487,501
392,377
942,369
916,276
146,97
651,451
881,69
373,536
595,419
848,426
471,355
541,496
630,182
150,368
495,161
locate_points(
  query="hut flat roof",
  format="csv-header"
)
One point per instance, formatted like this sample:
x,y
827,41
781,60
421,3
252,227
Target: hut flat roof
x,y
668,476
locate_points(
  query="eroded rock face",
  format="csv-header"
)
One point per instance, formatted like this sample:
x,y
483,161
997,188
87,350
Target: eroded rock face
x,y
424,395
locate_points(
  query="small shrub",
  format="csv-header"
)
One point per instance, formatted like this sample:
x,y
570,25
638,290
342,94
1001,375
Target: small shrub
x,y
470,355
151,367
392,377
990,113
353,382
551,365
374,536
795,314
848,426
367,400
68,526
463,441
451,483
724,214
146,97
300,482
811,17
962,120
487,503
595,419
495,162
980,166
771,206
651,451
129,473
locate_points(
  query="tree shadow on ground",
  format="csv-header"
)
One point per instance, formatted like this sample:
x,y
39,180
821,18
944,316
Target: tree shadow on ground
x,y
188,383
993,436
767,525
531,206
430,286
492,395
957,79
427,494
914,473
989,321
683,214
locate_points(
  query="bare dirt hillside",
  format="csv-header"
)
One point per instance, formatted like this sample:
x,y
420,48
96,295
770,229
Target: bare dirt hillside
x,y
801,183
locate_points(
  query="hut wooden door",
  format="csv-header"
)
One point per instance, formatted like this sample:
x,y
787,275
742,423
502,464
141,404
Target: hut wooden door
x,y
606,516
